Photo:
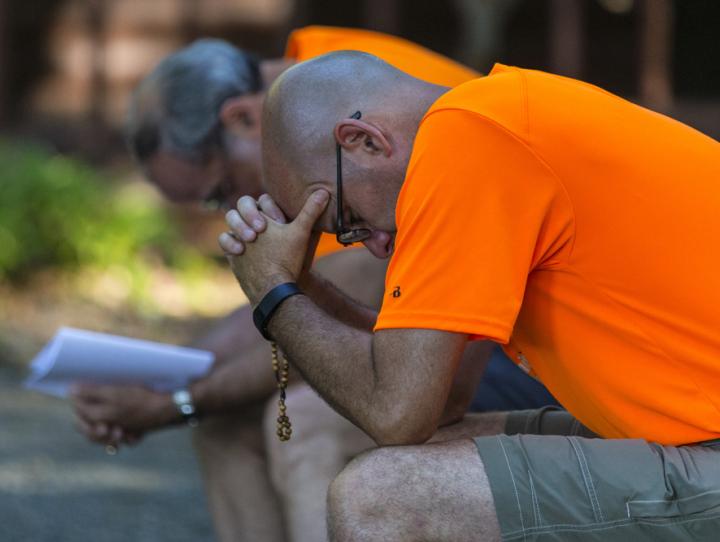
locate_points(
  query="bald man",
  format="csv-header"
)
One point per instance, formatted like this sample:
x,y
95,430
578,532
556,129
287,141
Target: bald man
x,y
194,127
525,209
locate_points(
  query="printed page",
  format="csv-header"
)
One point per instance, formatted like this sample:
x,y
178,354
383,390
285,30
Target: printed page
x,y
75,355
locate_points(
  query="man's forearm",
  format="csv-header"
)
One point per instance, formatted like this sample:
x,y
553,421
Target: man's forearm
x,y
242,370
342,373
472,366
336,304
243,379
231,336
393,385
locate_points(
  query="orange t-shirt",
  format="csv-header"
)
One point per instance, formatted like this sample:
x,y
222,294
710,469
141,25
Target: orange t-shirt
x,y
309,42
580,230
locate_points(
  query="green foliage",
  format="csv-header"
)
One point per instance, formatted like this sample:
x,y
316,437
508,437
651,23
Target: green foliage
x,y
58,212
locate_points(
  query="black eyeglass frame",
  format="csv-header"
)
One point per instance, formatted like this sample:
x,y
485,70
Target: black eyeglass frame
x,y
346,235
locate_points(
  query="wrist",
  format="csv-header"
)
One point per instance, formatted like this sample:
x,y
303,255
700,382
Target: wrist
x,y
265,310
276,321
166,411
273,280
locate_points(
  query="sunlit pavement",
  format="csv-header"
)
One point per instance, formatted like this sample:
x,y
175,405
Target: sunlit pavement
x,y
57,487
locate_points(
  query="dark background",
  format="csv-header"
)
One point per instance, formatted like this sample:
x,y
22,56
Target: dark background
x,y
662,53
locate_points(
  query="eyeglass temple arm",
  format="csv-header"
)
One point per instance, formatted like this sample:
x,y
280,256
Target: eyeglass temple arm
x,y
338,149
338,196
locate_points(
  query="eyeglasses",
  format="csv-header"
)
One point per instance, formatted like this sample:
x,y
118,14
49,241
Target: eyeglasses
x,y
346,235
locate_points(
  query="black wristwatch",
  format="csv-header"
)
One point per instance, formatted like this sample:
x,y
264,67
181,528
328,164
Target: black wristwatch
x,y
270,303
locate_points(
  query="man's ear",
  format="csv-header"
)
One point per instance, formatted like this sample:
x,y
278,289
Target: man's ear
x,y
242,113
354,135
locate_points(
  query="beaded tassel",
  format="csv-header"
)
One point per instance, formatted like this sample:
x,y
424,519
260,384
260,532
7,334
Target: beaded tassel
x,y
281,367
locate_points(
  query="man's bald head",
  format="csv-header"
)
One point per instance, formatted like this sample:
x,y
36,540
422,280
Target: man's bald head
x,y
308,111
306,102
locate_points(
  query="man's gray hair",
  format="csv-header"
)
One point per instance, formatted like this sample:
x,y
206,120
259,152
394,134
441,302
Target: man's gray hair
x,y
176,107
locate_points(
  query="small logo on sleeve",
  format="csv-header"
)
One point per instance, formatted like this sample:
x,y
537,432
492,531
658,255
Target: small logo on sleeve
x,y
396,292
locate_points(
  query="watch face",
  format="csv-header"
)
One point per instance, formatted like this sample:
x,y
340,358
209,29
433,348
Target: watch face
x,y
182,397
184,403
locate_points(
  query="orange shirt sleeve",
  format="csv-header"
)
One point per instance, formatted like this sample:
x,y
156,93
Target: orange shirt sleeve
x,y
477,213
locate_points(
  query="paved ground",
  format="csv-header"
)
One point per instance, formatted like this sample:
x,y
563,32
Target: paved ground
x,y
56,487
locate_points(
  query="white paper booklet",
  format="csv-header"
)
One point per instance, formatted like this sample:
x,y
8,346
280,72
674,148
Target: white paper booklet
x,y
75,355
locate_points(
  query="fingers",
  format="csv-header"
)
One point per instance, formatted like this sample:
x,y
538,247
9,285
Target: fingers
x,y
102,433
102,412
96,403
94,432
247,221
270,208
93,413
239,227
86,429
117,435
313,208
230,245
251,212
249,218
90,393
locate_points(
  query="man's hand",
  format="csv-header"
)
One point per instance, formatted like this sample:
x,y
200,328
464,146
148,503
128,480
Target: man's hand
x,y
121,414
263,249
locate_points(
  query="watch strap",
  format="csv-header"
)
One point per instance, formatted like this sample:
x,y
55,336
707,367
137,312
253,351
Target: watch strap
x,y
270,303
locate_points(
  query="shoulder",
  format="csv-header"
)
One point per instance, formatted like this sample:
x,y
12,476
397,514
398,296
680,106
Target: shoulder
x,y
499,98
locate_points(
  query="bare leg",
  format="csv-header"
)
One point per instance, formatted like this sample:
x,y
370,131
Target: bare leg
x,y
242,501
437,492
322,444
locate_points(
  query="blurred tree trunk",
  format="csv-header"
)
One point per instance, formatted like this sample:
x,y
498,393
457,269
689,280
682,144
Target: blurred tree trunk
x,y
483,27
567,43
189,29
96,25
656,34
4,58
382,15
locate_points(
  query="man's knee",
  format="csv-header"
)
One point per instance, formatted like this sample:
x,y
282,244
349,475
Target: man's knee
x,y
350,498
430,492
367,498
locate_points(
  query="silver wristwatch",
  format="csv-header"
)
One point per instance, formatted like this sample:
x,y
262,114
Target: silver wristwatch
x,y
184,403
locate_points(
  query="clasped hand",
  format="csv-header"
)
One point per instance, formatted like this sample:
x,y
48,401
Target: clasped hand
x,y
120,414
264,249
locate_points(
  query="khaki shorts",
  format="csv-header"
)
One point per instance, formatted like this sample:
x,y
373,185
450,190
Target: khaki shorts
x,y
557,485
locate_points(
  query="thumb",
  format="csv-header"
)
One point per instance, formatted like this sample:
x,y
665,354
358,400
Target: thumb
x,y
313,208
